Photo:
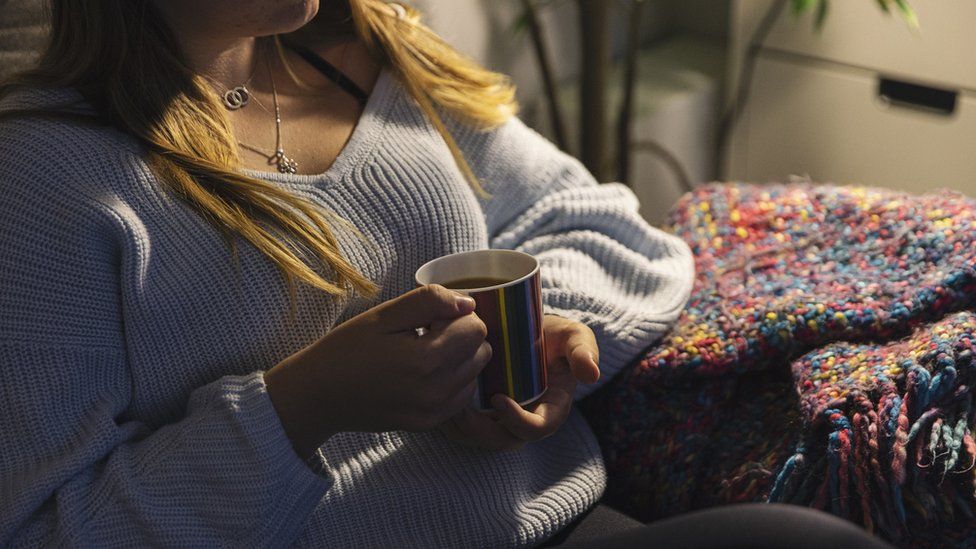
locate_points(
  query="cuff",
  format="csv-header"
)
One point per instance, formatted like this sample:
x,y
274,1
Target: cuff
x,y
301,483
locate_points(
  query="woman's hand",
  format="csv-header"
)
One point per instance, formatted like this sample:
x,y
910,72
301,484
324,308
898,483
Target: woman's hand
x,y
374,373
572,356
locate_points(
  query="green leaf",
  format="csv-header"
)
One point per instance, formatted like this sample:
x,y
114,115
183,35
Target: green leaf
x,y
800,6
521,22
903,7
821,14
907,13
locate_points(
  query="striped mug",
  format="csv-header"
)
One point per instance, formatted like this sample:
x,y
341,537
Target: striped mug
x,y
506,286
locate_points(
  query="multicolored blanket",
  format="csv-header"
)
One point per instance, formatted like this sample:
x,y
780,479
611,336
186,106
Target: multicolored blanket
x,y
825,359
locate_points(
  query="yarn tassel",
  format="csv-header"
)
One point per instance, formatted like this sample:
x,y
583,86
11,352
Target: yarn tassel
x,y
899,450
838,453
953,437
923,422
899,501
843,476
922,386
942,382
874,454
861,475
820,501
804,493
934,441
795,462
891,413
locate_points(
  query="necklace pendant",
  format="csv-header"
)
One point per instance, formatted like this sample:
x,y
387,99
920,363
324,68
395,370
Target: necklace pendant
x,y
237,98
285,164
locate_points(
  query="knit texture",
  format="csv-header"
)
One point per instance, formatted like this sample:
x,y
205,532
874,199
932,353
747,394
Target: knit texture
x,y
134,411
825,359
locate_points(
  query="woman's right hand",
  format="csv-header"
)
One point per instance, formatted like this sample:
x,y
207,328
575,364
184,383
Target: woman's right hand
x,y
374,373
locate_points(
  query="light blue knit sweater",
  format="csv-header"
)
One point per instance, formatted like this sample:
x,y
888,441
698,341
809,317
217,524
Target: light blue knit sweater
x,y
133,407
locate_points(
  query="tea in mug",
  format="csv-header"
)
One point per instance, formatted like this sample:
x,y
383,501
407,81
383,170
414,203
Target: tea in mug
x,y
471,283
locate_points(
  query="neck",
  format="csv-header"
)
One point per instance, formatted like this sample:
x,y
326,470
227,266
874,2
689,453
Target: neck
x,y
230,63
225,59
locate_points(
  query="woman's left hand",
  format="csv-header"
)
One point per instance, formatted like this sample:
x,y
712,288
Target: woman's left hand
x,y
572,356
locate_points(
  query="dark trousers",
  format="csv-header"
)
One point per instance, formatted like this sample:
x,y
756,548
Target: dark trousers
x,y
753,526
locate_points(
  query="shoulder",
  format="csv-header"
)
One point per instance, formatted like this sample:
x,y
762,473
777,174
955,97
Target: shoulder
x,y
62,232
509,144
56,153
73,182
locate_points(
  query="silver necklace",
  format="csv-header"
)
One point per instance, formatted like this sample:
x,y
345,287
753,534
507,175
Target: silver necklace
x,y
239,96
284,164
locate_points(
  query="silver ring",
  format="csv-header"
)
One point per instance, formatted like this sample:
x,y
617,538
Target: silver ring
x,y
421,331
236,98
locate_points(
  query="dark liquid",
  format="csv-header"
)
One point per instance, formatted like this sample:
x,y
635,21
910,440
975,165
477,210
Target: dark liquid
x,y
474,282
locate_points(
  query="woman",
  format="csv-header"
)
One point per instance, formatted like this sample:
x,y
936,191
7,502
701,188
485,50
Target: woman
x,y
168,172
161,388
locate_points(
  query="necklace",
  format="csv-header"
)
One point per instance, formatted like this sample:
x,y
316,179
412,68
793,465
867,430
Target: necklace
x,y
239,96
284,164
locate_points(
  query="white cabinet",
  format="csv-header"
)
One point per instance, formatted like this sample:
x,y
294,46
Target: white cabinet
x,y
816,106
857,33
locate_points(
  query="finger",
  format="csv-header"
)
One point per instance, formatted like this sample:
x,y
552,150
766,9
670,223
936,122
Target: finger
x,y
460,400
457,341
583,354
480,430
467,325
540,423
421,307
559,377
451,431
459,376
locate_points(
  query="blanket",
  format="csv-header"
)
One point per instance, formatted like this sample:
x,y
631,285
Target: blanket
x,y
825,359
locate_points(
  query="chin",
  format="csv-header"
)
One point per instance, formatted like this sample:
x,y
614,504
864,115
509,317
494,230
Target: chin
x,y
294,14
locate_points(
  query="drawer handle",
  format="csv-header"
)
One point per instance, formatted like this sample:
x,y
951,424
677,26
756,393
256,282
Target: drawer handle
x,y
916,96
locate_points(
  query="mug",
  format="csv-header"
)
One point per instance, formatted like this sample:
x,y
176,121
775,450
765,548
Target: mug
x,y
507,288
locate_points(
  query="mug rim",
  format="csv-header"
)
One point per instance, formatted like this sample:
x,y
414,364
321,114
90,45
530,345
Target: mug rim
x,y
523,278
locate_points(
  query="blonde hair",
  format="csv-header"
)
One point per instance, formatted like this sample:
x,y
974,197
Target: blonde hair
x,y
127,65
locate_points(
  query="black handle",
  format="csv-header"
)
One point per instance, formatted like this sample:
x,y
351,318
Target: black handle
x,y
917,96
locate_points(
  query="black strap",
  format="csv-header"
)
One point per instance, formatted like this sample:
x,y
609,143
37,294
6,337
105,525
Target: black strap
x,y
332,73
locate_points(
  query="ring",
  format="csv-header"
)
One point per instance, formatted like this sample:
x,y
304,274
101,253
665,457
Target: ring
x,y
421,331
236,98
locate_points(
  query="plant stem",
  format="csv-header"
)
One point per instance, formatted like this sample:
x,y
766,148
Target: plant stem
x,y
545,66
627,106
594,18
672,162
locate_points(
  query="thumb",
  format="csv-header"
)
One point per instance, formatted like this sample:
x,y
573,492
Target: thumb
x,y
582,353
423,306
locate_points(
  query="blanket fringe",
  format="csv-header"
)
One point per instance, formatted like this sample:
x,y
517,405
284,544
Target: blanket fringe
x,y
899,466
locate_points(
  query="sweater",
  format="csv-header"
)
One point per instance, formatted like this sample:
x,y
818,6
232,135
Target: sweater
x,y
134,410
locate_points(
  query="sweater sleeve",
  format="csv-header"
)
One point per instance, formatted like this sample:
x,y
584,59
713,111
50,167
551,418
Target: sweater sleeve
x,y
75,468
602,264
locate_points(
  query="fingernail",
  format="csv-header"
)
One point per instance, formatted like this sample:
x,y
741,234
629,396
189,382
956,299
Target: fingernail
x,y
466,304
593,359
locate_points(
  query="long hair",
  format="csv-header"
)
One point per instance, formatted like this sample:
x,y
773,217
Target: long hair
x,y
128,66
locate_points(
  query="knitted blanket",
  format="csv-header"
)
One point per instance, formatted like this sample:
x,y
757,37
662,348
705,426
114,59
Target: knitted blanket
x,y
825,359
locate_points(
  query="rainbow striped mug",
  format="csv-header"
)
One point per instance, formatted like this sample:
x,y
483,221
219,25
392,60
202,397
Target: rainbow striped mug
x,y
511,308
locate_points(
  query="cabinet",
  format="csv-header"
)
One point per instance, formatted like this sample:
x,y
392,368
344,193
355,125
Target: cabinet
x,y
817,105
